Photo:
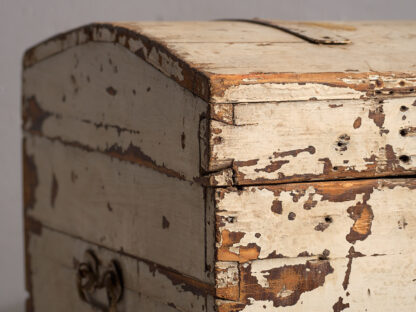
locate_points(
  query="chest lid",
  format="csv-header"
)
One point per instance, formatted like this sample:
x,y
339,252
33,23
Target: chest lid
x,y
252,61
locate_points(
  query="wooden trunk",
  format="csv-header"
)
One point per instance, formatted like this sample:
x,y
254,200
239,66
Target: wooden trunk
x,y
221,166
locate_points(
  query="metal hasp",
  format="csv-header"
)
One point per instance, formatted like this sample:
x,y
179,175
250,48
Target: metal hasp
x,y
90,280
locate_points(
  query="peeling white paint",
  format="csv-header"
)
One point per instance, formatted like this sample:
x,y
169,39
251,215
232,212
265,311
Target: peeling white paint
x,y
227,274
165,63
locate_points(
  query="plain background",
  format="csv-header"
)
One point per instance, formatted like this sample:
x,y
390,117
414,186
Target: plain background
x,y
24,23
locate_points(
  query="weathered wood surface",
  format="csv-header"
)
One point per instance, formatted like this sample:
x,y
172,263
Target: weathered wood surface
x,y
116,204
226,68
358,282
297,141
102,97
321,219
125,123
147,287
325,246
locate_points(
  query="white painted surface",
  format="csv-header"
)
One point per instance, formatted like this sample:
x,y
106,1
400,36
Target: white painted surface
x,y
24,23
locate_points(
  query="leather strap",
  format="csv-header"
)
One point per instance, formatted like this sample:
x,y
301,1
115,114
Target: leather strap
x,y
316,33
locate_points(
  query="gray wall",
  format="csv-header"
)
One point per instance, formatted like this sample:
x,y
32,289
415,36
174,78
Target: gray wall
x,y
24,23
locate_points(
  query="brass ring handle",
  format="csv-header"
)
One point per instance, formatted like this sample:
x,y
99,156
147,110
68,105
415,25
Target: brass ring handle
x,y
89,281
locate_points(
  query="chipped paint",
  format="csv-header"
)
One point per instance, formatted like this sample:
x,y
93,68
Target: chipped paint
x,y
163,61
283,286
54,190
111,91
223,113
227,280
30,178
222,178
33,115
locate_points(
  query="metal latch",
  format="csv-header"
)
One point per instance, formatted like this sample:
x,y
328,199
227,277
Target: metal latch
x,y
91,279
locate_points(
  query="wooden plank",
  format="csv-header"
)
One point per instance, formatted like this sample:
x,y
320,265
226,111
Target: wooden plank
x,y
118,205
297,141
147,287
101,96
322,219
357,282
232,71
265,87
